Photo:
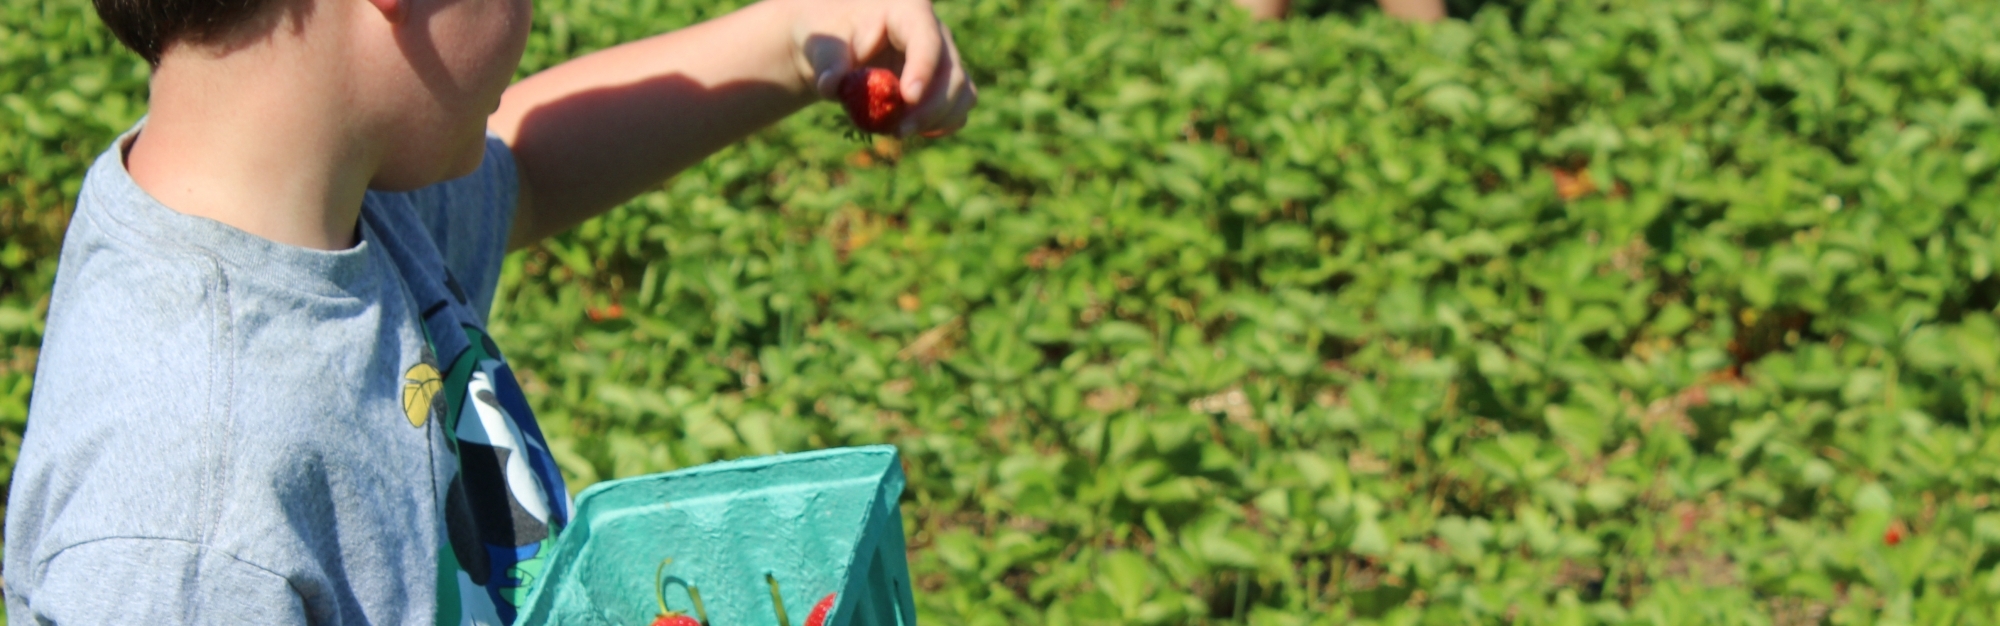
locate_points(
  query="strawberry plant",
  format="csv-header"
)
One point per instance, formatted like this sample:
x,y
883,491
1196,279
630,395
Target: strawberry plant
x,y
1616,311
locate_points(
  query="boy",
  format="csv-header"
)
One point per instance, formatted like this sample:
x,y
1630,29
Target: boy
x,y
265,395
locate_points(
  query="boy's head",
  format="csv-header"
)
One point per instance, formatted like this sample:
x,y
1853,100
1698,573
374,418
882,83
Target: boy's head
x,y
146,26
418,76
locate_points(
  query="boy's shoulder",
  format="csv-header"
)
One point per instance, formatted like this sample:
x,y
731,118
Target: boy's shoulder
x,y
193,342
157,294
198,385
183,337
457,228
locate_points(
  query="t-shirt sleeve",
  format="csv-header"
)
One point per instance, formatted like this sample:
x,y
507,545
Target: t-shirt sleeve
x,y
470,218
155,581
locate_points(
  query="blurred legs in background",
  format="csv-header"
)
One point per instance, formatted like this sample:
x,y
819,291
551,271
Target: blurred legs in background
x,y
1413,10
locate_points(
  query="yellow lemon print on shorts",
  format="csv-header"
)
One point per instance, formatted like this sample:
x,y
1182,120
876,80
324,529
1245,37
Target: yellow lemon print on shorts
x,y
420,388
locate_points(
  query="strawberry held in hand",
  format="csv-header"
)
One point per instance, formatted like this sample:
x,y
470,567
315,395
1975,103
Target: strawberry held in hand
x,y
890,63
873,98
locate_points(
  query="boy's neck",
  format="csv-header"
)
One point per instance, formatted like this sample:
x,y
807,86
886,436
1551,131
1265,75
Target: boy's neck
x,y
274,153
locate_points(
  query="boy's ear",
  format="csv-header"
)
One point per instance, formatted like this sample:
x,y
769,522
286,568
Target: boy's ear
x,y
392,9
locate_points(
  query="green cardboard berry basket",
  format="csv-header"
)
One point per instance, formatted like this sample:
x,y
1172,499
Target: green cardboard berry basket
x,y
820,522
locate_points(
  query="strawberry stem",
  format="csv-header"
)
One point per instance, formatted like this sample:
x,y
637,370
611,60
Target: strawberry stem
x,y
783,620
699,610
659,585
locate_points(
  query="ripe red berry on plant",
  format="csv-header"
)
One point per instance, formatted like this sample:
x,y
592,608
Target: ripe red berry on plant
x,y
873,98
611,312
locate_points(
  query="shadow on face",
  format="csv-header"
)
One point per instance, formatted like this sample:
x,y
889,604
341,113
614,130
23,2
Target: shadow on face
x,y
461,54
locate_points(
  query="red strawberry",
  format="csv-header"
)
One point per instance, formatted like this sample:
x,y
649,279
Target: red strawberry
x,y
675,620
820,611
612,312
874,99
1894,535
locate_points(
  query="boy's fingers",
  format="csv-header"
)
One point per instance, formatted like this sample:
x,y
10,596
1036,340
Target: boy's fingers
x,y
965,94
951,100
917,32
830,59
945,97
961,108
927,109
924,116
869,39
949,118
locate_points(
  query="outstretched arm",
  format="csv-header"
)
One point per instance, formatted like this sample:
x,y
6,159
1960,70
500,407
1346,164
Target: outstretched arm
x,y
596,131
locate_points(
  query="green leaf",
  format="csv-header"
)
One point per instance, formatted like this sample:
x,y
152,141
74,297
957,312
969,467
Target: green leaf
x,y
1581,428
1127,579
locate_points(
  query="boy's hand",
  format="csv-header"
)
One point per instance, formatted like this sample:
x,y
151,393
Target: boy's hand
x,y
599,129
835,36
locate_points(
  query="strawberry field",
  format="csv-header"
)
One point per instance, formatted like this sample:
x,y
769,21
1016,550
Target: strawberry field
x,y
1611,311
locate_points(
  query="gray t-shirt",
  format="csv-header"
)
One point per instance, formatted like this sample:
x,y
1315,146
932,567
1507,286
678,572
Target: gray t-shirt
x,y
229,430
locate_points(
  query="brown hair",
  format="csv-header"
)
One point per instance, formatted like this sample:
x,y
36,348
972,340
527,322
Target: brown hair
x,y
149,26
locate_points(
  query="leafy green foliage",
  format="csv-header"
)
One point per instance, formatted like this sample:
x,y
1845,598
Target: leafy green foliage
x,y
1576,312
66,88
